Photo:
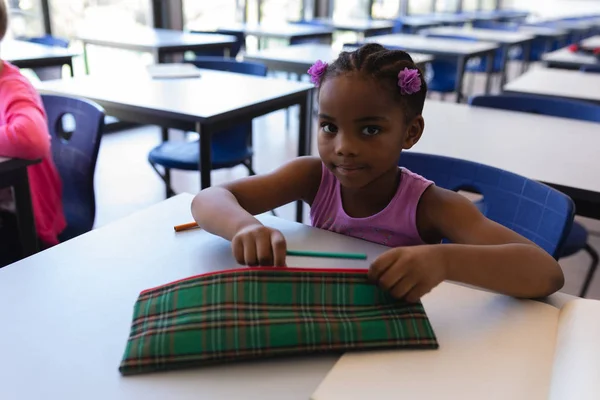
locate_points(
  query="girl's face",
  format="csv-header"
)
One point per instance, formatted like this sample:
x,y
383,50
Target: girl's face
x,y
362,130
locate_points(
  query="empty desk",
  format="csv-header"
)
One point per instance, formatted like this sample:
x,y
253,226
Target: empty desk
x,y
565,58
461,50
287,31
159,42
32,55
298,59
554,82
215,101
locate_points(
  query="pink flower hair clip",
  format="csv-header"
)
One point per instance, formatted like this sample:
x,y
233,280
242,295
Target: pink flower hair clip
x,y
409,81
316,72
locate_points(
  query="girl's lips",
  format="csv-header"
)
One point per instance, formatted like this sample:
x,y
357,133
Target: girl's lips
x,y
349,169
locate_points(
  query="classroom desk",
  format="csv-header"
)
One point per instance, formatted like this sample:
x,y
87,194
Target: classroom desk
x,y
461,50
363,27
507,39
591,43
215,101
564,58
560,152
13,173
412,24
66,312
32,55
450,19
299,58
286,31
554,82
160,42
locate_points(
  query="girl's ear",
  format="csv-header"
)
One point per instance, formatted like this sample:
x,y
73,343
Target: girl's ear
x,y
414,130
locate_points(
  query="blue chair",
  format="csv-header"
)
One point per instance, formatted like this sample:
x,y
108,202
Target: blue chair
x,y
75,127
481,64
532,209
577,240
591,68
48,73
235,49
230,147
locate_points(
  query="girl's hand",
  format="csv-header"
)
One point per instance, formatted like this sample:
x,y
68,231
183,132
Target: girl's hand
x,y
409,272
259,245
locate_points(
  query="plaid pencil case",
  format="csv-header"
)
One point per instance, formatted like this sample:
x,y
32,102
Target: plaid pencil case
x,y
263,312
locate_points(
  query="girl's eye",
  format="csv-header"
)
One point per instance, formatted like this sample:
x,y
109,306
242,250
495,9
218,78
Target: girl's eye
x,y
329,128
371,130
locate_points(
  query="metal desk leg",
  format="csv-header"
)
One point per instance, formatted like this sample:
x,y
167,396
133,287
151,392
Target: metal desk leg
x,y
304,139
25,220
526,56
460,75
489,71
86,62
205,156
504,73
70,64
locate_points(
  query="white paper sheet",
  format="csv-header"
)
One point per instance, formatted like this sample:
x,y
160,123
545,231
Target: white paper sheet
x,y
491,347
576,373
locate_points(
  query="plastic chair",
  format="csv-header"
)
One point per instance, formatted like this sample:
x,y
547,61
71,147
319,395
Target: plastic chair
x,y
75,127
235,49
532,209
48,73
591,68
480,65
230,147
577,240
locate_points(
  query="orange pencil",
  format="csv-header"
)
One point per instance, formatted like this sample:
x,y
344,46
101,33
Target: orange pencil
x,y
185,227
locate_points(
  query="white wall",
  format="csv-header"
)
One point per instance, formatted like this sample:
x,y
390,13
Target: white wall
x,y
550,8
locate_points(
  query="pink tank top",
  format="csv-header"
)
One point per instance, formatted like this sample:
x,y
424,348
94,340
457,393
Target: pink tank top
x,y
395,225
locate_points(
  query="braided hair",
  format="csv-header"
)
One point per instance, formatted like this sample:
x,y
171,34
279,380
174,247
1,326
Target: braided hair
x,y
375,61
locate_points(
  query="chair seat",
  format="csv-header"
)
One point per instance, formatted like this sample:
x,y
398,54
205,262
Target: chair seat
x,y
186,156
576,240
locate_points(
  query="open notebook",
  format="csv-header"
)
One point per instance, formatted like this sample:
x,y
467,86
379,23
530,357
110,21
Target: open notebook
x,y
491,347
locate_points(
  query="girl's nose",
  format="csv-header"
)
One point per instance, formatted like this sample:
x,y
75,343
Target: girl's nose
x,y
346,144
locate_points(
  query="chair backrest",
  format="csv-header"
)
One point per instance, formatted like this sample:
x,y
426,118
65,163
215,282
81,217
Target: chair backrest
x,y
236,139
591,68
75,127
230,65
497,26
235,49
534,210
556,107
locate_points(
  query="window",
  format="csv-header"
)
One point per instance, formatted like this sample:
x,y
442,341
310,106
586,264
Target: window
x,y
277,11
205,15
489,4
446,6
420,6
350,9
70,15
470,5
26,18
385,8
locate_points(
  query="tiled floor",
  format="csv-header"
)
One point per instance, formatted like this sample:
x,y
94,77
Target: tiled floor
x,y
125,182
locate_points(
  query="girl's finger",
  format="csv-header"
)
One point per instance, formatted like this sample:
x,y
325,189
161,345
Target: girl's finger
x,y
250,251
279,248
264,251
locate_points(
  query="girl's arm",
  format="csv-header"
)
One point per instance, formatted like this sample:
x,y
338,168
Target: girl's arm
x,y
226,210
485,253
25,131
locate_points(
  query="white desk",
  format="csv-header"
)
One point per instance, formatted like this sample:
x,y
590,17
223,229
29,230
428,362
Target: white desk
x,y
32,55
299,58
591,43
459,50
560,152
573,85
507,39
564,58
66,312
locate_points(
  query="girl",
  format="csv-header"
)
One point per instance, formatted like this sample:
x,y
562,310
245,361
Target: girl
x,y
370,104
24,134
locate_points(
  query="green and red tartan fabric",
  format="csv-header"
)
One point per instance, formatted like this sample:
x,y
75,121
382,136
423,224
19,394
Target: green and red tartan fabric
x,y
263,312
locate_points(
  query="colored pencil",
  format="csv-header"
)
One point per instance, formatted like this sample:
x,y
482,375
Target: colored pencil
x,y
303,253
185,227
